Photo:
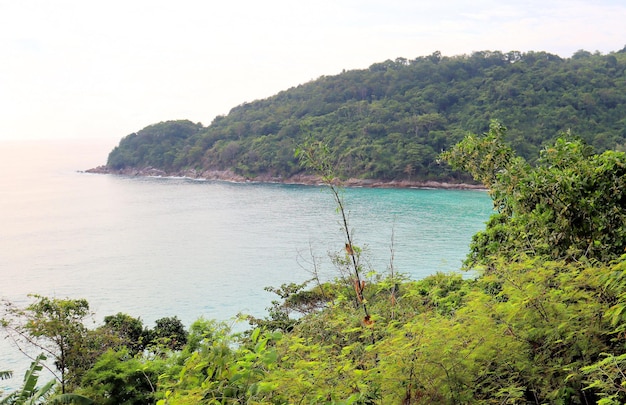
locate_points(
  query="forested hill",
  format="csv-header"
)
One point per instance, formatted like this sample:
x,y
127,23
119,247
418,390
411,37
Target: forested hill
x,y
392,120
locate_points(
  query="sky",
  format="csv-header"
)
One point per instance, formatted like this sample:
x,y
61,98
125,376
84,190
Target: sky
x,y
104,69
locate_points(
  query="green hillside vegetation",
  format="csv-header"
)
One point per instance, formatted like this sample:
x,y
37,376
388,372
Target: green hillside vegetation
x,y
541,321
391,120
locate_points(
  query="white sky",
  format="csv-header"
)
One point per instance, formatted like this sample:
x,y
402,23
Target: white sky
x,y
104,69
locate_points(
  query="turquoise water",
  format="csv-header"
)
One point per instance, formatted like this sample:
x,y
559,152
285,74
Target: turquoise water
x,y
154,247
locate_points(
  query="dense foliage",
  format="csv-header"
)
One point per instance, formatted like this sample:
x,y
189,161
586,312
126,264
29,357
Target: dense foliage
x,y
543,320
391,121
56,327
569,206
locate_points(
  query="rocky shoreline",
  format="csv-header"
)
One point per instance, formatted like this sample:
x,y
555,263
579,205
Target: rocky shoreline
x,y
227,175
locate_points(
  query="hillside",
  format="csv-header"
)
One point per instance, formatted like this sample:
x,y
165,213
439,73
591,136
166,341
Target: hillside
x,y
391,120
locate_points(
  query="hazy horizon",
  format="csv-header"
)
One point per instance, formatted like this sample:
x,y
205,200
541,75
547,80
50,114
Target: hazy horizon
x,y
83,70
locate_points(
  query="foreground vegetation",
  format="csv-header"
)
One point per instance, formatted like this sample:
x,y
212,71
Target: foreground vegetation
x,y
542,322
391,120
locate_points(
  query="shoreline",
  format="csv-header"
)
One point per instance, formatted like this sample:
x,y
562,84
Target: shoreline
x,y
308,180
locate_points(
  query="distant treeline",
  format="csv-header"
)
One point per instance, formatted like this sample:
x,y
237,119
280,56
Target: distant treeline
x,y
392,120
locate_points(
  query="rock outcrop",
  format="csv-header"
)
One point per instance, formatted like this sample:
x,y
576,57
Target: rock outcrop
x,y
306,179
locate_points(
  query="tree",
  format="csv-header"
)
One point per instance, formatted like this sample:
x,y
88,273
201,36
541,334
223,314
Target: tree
x,y
54,326
294,298
118,377
570,206
486,158
128,330
315,155
169,332
221,370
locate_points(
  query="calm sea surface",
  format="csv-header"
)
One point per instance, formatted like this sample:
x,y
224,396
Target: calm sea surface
x,y
155,247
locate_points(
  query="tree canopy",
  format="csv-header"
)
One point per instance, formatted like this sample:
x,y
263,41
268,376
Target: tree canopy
x,y
391,120
569,206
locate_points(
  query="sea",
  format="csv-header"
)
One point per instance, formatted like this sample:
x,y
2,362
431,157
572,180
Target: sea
x,y
155,247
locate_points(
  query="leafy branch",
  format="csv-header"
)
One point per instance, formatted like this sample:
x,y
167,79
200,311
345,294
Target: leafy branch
x,y
316,156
